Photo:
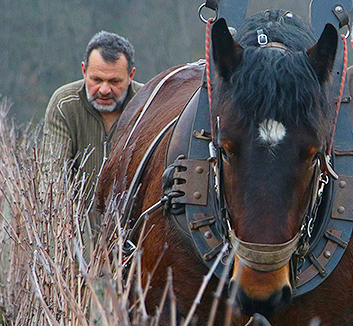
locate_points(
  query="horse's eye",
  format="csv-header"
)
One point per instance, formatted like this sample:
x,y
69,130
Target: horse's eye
x,y
229,151
230,147
308,154
314,161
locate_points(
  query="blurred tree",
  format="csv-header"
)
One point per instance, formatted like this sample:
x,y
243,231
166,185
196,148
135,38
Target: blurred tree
x,y
42,42
164,33
40,39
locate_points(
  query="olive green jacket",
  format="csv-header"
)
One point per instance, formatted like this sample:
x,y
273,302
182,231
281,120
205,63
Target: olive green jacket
x,y
72,122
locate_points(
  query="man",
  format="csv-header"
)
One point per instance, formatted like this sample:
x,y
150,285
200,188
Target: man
x,y
84,114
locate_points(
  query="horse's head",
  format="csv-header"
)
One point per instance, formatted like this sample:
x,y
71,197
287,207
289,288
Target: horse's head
x,y
275,117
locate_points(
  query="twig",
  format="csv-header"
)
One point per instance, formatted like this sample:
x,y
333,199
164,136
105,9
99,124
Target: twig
x,y
203,285
258,320
51,319
173,305
220,286
139,288
231,302
164,296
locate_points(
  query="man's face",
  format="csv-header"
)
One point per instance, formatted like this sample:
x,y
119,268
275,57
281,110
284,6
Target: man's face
x,y
106,82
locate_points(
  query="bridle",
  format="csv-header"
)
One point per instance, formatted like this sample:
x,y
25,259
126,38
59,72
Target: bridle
x,y
258,256
270,257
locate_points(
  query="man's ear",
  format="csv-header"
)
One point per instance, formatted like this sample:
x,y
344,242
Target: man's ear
x,y
132,73
83,67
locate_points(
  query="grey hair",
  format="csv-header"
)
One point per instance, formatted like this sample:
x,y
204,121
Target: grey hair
x,y
110,46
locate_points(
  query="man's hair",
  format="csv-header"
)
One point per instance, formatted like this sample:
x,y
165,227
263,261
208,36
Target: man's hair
x,y
110,47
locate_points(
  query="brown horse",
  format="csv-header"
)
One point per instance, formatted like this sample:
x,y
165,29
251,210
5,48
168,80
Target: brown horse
x,y
272,115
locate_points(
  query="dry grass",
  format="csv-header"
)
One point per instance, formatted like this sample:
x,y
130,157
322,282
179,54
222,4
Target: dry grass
x,y
44,225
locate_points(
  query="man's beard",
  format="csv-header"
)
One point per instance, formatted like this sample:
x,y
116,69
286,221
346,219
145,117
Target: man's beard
x,y
116,106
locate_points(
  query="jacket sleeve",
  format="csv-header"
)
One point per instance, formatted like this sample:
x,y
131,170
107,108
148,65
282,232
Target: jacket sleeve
x,y
57,138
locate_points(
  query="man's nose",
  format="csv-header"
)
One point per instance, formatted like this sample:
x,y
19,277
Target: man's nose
x,y
105,88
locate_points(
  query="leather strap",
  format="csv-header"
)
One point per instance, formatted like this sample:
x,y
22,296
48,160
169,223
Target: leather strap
x,y
212,4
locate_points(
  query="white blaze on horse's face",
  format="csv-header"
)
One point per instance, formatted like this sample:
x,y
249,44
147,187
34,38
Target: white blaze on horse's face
x,y
271,132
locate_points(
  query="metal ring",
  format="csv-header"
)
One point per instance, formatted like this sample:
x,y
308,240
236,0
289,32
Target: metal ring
x,y
349,30
310,227
203,18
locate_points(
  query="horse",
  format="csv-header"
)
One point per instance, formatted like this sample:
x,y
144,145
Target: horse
x,y
271,118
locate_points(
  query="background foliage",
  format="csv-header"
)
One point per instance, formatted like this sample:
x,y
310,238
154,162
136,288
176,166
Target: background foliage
x,y
42,42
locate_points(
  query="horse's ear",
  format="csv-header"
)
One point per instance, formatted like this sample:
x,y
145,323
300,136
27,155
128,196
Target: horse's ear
x,y
322,54
227,54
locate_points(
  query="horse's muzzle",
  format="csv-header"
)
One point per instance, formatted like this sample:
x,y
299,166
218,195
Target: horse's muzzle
x,y
260,292
277,300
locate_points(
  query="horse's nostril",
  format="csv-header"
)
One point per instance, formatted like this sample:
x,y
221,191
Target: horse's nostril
x,y
286,294
268,307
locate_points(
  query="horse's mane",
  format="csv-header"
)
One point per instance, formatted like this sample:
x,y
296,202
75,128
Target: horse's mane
x,y
272,83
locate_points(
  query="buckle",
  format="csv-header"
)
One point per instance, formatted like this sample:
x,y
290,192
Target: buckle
x,y
262,38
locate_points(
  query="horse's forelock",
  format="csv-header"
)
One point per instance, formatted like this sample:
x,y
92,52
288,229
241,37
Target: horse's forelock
x,y
271,84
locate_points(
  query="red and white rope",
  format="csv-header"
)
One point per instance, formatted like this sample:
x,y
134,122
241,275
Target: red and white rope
x,y
208,73
340,93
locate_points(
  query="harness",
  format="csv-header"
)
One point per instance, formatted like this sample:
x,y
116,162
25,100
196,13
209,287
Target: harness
x,y
198,211
193,200
192,188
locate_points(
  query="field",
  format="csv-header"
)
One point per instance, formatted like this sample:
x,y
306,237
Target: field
x,y
45,279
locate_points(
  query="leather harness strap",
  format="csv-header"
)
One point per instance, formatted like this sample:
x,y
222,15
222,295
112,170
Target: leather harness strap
x,y
276,45
190,154
334,225
130,196
212,4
